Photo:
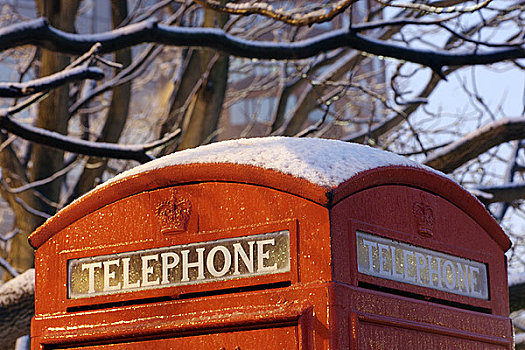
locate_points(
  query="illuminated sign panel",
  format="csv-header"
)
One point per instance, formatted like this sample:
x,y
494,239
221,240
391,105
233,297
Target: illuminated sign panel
x,y
194,263
392,260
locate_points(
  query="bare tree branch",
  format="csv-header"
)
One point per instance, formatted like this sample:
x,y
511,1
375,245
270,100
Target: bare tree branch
x,y
136,67
478,42
288,17
40,95
7,266
40,33
65,143
146,14
9,235
475,143
52,81
117,115
437,9
30,209
316,126
396,119
399,23
37,183
504,193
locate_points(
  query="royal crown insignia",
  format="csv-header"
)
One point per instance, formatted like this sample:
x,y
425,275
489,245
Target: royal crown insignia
x,y
174,213
424,219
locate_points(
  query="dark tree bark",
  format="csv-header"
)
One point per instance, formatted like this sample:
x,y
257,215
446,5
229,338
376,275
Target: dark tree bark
x,y
205,106
472,145
117,114
52,115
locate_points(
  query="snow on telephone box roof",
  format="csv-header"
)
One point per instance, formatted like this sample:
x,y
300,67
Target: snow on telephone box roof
x,y
321,170
323,162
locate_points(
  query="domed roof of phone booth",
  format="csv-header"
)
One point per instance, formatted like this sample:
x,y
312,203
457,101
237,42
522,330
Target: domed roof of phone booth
x,y
321,170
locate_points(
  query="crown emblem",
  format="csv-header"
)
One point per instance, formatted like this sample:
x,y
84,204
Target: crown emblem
x,y
424,218
173,213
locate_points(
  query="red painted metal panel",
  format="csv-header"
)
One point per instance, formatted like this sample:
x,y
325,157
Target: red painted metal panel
x,y
429,183
172,176
388,211
193,173
278,309
285,338
375,335
322,315
219,212
384,321
320,302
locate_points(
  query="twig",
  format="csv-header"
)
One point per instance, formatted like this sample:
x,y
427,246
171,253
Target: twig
x,y
399,23
437,9
478,42
68,144
109,63
7,266
52,81
316,126
9,235
155,144
41,182
31,210
122,77
38,96
289,17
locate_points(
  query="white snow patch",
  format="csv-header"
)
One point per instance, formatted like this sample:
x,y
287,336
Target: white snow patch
x,y
322,162
16,288
516,278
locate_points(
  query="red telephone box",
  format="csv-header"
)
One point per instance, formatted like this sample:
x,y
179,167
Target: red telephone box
x,y
273,243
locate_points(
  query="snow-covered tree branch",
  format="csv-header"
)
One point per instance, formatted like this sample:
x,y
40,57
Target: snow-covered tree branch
x,y
39,85
17,306
40,33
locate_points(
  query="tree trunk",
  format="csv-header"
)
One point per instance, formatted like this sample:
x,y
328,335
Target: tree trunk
x,y
205,105
117,114
13,173
52,115
204,111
